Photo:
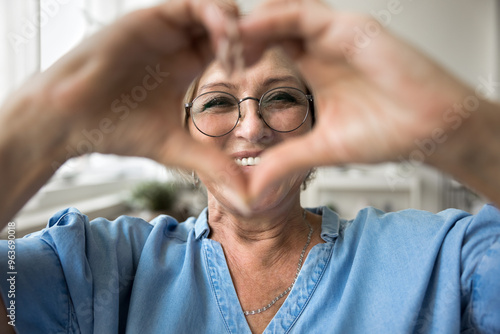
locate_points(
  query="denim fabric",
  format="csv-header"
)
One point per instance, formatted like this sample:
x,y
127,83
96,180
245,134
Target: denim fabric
x,y
404,272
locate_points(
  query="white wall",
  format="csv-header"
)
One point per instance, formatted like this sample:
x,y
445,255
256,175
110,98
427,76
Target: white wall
x,y
497,41
19,44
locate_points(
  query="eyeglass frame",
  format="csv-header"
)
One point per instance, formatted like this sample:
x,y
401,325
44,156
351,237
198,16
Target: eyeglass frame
x,y
309,98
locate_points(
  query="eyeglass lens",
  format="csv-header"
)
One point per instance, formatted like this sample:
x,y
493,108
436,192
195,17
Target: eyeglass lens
x,y
282,109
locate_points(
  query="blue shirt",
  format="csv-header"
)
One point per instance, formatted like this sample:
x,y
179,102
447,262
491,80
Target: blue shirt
x,y
404,272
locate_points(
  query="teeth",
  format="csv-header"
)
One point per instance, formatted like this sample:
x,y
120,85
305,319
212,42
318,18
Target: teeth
x,y
250,161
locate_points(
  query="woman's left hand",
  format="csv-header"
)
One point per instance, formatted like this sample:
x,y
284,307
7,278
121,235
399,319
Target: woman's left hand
x,y
377,99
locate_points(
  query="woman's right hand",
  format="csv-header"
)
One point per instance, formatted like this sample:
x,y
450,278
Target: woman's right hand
x,y
119,92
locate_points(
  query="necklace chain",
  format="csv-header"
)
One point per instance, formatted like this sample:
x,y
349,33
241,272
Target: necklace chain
x,y
299,266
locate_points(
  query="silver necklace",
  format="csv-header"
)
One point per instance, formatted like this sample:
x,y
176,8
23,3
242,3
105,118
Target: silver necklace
x,y
299,266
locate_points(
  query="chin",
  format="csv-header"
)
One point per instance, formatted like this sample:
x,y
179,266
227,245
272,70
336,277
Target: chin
x,y
276,198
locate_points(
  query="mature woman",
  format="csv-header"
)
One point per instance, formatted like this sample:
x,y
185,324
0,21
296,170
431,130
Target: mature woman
x,y
244,117
254,260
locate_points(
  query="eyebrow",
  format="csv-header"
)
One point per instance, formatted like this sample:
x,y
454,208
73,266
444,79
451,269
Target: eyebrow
x,y
271,81
216,84
268,82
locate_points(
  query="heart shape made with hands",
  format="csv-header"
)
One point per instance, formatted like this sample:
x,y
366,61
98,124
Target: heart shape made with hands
x,y
376,98
372,100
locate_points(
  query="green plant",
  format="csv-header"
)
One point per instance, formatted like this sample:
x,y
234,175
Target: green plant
x,y
155,196
332,207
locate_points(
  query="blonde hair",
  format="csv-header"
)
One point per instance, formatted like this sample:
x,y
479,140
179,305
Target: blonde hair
x,y
185,175
189,97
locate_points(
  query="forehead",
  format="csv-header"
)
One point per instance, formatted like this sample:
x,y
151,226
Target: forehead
x,y
272,68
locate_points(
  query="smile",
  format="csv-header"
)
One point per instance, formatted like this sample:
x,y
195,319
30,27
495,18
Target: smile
x,y
250,161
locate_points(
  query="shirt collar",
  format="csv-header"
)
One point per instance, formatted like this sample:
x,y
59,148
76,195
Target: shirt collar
x,y
330,224
201,228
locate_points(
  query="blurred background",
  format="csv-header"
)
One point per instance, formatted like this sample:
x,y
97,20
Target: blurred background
x,y
462,35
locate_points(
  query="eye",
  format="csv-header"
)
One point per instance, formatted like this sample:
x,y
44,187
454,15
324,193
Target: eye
x,y
218,102
281,100
281,96
215,103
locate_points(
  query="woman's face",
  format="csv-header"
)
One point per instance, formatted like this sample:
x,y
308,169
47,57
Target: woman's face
x,y
251,136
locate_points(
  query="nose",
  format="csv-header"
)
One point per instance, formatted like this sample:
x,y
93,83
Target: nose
x,y
251,126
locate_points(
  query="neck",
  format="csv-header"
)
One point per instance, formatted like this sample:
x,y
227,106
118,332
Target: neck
x,y
262,240
264,253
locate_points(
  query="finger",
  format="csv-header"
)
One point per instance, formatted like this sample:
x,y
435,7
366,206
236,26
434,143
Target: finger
x,y
295,155
215,16
176,23
184,152
277,22
353,38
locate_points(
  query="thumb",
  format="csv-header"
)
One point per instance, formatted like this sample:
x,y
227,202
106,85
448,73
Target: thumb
x,y
184,152
293,156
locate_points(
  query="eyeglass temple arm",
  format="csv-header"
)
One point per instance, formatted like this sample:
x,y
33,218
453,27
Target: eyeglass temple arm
x,y
187,109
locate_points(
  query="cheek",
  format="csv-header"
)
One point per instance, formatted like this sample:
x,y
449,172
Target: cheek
x,y
303,130
308,125
197,135
200,137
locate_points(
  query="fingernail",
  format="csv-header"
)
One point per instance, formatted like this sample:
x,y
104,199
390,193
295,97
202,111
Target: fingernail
x,y
223,54
239,61
232,31
234,49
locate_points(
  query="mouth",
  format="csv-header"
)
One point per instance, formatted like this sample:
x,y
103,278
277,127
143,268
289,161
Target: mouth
x,y
247,157
248,161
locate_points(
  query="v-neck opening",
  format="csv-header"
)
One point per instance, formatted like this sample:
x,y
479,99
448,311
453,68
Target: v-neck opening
x,y
229,304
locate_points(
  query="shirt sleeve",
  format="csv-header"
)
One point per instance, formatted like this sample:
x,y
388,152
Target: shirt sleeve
x,y
481,272
34,288
75,275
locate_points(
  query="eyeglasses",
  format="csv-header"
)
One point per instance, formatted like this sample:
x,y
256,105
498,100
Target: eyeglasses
x,y
283,109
